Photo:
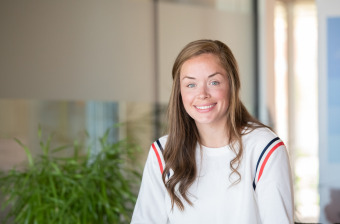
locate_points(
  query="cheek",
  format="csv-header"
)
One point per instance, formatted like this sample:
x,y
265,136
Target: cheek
x,y
222,95
185,98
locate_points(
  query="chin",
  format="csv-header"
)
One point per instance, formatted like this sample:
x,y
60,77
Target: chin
x,y
204,121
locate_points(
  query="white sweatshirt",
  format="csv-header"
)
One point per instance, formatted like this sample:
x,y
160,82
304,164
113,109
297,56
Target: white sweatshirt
x,y
264,195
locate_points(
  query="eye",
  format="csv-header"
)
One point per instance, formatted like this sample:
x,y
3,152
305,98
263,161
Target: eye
x,y
191,85
215,83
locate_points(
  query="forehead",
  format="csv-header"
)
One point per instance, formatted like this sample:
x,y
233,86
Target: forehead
x,y
206,62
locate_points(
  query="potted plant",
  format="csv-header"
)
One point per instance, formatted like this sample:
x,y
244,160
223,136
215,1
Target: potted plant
x,y
77,188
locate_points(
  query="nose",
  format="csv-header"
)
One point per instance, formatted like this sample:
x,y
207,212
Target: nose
x,y
203,93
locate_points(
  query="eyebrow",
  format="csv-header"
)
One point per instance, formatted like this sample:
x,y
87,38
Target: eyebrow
x,y
189,77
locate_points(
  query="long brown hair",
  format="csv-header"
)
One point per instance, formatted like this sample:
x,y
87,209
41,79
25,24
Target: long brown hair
x,y
179,152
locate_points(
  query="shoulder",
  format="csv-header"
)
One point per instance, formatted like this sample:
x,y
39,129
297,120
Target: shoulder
x,y
156,152
258,136
159,144
262,143
267,155
163,140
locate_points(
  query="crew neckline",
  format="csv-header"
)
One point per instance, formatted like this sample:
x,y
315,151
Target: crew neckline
x,y
216,151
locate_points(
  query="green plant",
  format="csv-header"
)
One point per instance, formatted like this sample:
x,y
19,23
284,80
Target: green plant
x,y
73,189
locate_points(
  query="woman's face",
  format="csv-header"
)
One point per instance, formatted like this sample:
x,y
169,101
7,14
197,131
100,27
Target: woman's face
x,y
205,90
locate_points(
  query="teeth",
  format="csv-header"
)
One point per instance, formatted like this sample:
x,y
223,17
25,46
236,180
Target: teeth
x,y
204,107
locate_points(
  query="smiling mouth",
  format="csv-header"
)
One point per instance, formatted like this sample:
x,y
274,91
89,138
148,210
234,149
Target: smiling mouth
x,y
205,107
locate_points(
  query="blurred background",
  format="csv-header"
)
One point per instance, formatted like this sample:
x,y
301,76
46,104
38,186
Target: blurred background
x,y
82,66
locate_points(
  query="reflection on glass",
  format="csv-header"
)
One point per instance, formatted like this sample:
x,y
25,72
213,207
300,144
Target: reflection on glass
x,y
67,121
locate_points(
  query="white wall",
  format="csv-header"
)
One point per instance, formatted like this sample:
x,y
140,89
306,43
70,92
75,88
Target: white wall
x,y
76,50
329,170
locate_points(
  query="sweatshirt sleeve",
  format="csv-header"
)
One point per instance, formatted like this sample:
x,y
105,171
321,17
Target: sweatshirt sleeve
x,y
274,189
150,206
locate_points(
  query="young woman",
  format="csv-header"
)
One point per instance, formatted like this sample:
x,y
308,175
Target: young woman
x,y
217,164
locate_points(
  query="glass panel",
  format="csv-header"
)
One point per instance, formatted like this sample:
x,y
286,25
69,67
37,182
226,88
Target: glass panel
x,y
67,121
295,61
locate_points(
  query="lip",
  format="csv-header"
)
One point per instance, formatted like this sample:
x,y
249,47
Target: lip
x,y
205,108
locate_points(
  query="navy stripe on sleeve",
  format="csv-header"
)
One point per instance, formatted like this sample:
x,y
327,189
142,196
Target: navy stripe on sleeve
x,y
159,145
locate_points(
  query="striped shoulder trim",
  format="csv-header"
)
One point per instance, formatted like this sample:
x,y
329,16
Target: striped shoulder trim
x,y
158,149
263,159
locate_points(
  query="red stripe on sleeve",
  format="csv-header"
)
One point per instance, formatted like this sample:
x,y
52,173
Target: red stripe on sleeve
x,y
267,157
158,157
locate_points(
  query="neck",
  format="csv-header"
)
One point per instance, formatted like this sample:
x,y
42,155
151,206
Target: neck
x,y
213,137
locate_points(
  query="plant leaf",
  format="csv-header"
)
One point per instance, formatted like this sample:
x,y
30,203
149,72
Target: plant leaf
x,y
27,151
